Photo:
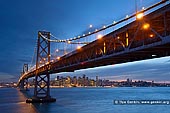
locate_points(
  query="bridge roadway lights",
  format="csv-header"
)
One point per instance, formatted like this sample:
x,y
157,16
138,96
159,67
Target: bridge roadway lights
x,y
40,100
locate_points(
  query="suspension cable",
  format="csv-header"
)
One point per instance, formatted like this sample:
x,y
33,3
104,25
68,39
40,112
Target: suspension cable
x,y
104,27
108,26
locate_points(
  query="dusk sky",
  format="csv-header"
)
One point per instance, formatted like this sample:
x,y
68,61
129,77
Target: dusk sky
x,y
21,20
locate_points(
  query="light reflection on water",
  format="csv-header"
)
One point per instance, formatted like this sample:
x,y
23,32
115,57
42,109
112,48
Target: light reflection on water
x,y
13,101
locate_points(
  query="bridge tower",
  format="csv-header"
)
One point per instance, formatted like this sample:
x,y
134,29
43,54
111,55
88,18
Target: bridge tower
x,y
24,82
42,82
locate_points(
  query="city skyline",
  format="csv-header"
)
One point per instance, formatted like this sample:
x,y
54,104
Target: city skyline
x,y
85,81
20,22
154,69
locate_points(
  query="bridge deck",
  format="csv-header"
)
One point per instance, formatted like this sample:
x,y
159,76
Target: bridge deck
x,y
132,42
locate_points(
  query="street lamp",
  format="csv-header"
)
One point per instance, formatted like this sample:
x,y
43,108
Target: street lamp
x,y
146,26
69,42
58,58
139,16
78,47
99,36
91,26
151,35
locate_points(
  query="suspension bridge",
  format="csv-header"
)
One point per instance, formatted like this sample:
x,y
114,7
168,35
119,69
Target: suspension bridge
x,y
143,35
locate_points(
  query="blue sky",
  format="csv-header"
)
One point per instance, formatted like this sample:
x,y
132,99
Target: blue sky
x,y
21,20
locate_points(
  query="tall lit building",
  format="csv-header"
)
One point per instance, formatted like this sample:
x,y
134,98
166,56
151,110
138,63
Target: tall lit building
x,y
75,81
97,81
84,80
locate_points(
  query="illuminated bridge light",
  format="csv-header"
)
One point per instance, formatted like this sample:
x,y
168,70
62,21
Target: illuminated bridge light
x,y
151,35
139,16
154,55
78,47
99,36
91,26
127,16
114,22
104,26
127,35
146,26
127,41
68,42
96,30
104,48
47,63
58,58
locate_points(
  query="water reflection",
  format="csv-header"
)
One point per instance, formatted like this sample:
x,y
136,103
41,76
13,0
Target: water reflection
x,y
13,101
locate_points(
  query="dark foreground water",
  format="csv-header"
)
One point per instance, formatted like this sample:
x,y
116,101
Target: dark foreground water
x,y
86,100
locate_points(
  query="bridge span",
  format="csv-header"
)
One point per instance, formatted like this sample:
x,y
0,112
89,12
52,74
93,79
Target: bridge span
x,y
147,37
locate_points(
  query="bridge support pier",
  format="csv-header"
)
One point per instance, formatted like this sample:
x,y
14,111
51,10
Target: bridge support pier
x,y
41,90
21,86
24,85
42,82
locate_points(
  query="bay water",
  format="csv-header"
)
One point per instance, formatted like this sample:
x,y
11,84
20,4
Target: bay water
x,y
86,100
